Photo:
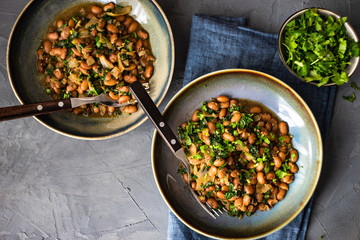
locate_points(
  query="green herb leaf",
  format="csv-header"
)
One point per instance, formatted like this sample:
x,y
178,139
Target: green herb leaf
x,y
350,98
193,176
182,170
281,174
318,48
354,85
203,148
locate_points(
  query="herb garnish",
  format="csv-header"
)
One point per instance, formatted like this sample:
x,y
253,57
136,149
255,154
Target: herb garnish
x,y
319,49
350,98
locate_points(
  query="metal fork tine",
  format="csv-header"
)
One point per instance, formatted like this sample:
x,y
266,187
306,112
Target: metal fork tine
x,y
213,210
208,209
222,210
204,206
107,101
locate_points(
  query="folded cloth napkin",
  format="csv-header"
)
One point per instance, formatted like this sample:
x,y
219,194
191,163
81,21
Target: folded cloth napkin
x,y
218,42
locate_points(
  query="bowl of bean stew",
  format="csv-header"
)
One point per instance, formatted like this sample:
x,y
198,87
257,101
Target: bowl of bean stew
x,y
83,49
254,149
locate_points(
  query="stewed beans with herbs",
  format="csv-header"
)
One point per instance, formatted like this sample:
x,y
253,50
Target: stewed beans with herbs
x,y
241,156
99,49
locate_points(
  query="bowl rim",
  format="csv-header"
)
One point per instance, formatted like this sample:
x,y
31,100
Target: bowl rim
x,y
301,101
320,10
132,127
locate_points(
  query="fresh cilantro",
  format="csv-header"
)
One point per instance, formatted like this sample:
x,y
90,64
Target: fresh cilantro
x,y
266,195
221,127
238,142
254,151
211,161
65,95
182,170
50,71
281,139
267,168
208,184
75,20
285,167
187,140
222,166
231,193
350,98
106,17
245,120
203,148
245,177
97,40
318,48
234,108
354,85
193,176
73,34
281,174
262,138
204,106
248,214
233,212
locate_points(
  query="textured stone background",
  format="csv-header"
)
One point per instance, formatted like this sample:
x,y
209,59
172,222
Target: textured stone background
x,y
51,190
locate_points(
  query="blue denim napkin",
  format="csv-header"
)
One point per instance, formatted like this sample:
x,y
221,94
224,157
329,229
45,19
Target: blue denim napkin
x,y
218,42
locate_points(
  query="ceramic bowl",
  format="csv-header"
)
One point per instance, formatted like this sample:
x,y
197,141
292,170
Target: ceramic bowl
x,y
25,38
323,12
283,101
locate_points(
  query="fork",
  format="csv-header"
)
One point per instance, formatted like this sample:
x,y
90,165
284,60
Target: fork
x,y
35,109
215,213
169,137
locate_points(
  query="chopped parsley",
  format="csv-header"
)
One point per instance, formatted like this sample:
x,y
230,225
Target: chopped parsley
x,y
318,49
231,193
245,120
350,98
182,170
193,176
281,174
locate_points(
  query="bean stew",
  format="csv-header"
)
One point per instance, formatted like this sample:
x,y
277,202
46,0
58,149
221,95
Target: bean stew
x,y
95,49
241,155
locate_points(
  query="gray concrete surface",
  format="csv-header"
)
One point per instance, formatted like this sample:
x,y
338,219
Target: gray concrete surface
x,y
54,187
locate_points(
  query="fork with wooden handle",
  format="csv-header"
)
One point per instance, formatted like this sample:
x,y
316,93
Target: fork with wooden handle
x,y
35,109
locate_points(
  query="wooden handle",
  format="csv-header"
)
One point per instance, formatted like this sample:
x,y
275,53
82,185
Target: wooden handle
x,y
33,109
154,115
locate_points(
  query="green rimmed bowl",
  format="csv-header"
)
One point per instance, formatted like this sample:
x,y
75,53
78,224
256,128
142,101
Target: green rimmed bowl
x,y
24,40
283,101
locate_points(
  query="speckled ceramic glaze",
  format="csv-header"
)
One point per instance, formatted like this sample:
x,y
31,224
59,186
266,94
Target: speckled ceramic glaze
x,y
324,12
25,38
282,100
